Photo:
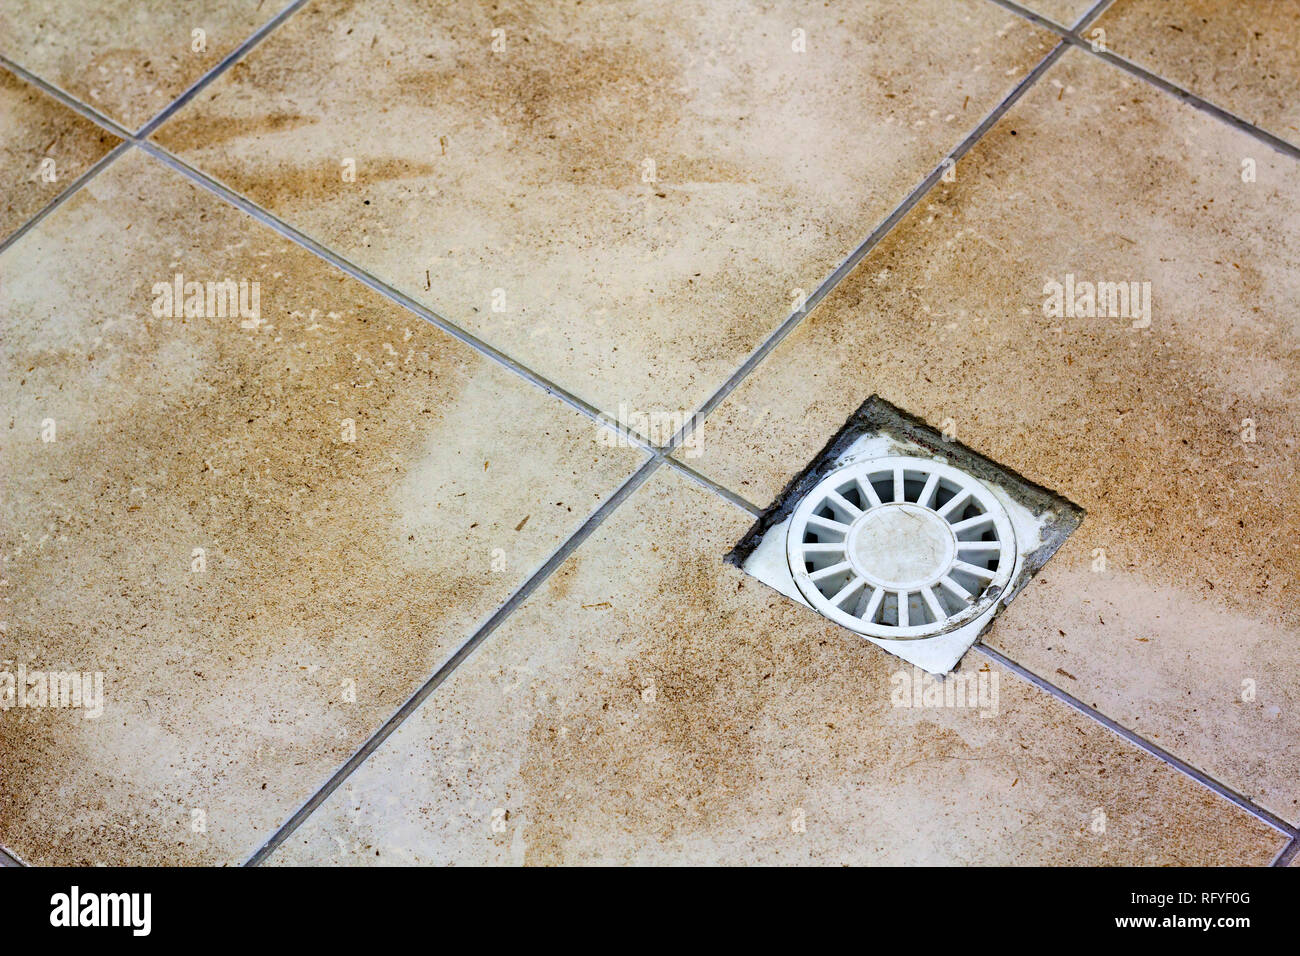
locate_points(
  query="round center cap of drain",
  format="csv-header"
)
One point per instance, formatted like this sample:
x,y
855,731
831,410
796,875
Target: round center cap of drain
x,y
901,546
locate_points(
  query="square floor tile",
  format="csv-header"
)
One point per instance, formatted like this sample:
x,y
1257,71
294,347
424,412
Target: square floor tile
x,y
1241,55
625,197
651,704
127,58
1175,608
265,529
44,147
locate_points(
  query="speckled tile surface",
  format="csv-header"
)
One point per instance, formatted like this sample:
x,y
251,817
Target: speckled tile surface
x,y
738,727
247,519
1242,55
1064,12
340,563
626,197
127,58
44,147
1173,607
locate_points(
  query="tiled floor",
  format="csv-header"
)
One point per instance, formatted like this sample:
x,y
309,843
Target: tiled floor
x,y
370,579
1244,57
1141,427
45,148
128,60
607,180
707,737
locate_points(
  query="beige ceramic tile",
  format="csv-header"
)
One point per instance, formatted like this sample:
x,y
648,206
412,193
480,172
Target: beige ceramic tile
x,y
1064,12
652,704
44,146
1242,55
336,558
1179,440
127,58
625,197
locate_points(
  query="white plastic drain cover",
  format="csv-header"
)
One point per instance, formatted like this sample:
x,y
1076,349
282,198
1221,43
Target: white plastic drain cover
x,y
905,537
900,548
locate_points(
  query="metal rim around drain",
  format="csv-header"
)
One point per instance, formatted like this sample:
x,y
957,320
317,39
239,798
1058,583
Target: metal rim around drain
x,y
900,548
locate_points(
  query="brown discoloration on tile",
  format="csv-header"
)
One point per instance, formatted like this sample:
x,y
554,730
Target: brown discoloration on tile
x,y
1095,174
1242,55
669,709
607,744
622,290
328,560
126,58
35,127
212,131
303,182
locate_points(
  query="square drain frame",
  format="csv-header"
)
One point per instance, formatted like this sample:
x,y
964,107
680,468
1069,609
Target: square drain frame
x,y
878,441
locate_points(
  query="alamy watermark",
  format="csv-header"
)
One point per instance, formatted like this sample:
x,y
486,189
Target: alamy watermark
x,y
131,911
657,426
1072,299
37,690
976,690
209,300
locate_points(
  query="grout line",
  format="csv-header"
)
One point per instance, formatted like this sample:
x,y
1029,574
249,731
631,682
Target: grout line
x,y
106,123
67,99
197,86
8,859
1071,36
1205,106
67,194
1089,15
1155,750
1288,853
561,554
713,486
393,294
865,247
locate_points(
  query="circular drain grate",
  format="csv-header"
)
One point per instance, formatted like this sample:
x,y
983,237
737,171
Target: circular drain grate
x,y
900,548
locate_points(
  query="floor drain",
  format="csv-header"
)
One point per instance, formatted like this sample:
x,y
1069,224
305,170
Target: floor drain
x,y
908,539
900,548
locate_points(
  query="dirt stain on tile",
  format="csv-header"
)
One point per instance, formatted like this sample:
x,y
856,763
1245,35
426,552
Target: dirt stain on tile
x,y
44,147
187,132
